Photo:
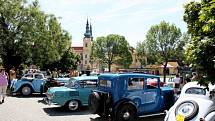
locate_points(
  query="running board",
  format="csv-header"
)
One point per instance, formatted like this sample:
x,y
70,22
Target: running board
x,y
149,115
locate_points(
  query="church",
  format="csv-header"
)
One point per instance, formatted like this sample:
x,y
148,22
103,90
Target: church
x,y
85,50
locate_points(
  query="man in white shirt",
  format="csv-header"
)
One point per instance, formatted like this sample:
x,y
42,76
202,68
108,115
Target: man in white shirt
x,y
177,81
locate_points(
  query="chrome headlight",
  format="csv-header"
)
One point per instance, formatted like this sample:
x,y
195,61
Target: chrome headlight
x,y
188,109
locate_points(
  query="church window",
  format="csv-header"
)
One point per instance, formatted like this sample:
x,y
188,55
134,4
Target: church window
x,y
85,61
85,44
85,55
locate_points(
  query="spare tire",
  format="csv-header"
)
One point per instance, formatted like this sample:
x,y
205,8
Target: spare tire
x,y
189,107
94,102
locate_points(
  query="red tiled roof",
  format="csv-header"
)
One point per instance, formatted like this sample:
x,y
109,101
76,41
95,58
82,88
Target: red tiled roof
x,y
77,48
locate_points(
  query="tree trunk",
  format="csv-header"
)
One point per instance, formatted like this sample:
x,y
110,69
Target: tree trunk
x,y
164,71
109,67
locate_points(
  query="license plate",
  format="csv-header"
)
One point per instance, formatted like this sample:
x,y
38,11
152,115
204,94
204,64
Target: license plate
x,y
180,117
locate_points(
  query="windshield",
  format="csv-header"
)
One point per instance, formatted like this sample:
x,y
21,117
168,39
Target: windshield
x,y
72,83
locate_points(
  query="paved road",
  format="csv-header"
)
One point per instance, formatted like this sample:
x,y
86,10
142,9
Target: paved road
x,y
17,108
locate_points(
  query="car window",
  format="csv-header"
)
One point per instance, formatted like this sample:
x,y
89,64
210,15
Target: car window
x,y
28,76
105,83
72,83
195,90
152,83
38,76
135,83
89,83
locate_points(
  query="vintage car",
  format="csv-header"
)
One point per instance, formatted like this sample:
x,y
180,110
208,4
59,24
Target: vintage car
x,y
194,103
35,83
29,83
74,94
128,95
54,82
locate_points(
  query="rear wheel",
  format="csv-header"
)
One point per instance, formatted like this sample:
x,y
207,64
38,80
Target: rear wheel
x,y
126,112
26,90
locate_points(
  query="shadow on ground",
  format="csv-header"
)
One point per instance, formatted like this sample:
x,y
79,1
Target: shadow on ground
x,y
154,118
61,111
34,95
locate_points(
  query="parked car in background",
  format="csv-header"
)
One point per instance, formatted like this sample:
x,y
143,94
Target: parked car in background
x,y
74,94
194,103
29,83
128,95
35,83
54,82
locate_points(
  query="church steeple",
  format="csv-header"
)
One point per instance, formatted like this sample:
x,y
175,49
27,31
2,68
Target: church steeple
x,y
91,29
88,32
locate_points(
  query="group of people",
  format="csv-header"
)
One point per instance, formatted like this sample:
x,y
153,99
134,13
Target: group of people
x,y
180,82
5,81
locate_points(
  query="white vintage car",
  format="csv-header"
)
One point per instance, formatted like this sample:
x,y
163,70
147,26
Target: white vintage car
x,y
195,103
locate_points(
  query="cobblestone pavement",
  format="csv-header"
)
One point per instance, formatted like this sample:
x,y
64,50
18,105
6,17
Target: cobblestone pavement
x,y
17,108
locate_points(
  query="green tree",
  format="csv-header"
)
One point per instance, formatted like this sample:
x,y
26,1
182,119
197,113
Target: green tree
x,y
112,49
162,41
200,20
30,36
141,53
68,61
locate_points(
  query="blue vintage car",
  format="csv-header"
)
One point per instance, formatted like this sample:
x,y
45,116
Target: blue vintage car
x,y
29,83
35,83
74,94
126,96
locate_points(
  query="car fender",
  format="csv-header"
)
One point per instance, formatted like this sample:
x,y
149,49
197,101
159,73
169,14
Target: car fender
x,y
20,84
210,116
122,102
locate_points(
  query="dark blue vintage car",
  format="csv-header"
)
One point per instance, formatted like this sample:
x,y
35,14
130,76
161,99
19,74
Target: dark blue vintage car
x,y
126,96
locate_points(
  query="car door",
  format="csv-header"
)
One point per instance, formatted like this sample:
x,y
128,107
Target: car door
x,y
86,87
38,82
152,95
135,91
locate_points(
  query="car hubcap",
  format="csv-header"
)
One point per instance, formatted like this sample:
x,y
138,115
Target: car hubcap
x,y
126,115
26,90
73,105
186,109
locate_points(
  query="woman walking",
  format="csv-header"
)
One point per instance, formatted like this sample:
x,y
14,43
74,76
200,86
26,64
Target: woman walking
x,y
3,84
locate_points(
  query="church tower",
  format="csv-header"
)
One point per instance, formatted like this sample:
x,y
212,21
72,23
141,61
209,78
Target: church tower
x,y
87,44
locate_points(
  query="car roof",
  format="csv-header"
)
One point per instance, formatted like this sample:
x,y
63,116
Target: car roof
x,y
127,74
85,77
195,85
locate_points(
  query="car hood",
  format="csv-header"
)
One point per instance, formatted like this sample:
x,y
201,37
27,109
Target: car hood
x,y
56,89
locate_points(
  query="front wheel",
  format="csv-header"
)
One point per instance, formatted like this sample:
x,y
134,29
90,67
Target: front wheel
x,y
126,112
73,105
26,90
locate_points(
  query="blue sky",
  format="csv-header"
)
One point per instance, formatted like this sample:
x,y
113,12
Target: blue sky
x,y
130,18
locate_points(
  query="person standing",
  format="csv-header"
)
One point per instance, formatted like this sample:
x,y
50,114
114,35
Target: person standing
x,y
194,76
12,75
177,81
187,78
55,73
3,84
